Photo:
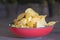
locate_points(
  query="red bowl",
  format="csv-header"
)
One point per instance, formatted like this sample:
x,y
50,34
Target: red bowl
x,y
31,32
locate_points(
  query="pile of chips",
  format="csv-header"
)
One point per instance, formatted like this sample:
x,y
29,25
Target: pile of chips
x,y
31,19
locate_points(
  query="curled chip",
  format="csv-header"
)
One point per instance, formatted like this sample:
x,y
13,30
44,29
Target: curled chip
x,y
42,19
30,12
20,16
31,19
51,23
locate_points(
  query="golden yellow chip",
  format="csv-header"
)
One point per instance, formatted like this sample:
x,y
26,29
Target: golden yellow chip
x,y
31,19
20,16
30,24
42,19
51,23
39,24
35,20
31,12
15,22
23,21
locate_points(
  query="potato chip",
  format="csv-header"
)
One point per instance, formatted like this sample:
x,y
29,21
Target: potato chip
x,y
30,24
13,25
35,20
51,23
15,22
23,21
31,12
20,16
34,25
31,19
42,19
39,24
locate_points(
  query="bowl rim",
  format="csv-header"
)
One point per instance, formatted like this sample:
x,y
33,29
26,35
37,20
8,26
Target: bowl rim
x,y
33,28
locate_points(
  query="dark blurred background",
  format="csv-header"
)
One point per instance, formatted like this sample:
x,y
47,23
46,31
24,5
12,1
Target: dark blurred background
x,y
10,9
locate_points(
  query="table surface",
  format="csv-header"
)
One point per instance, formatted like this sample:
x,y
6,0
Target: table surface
x,y
51,36
5,34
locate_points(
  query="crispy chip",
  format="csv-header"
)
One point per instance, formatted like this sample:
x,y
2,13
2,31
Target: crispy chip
x,y
51,23
31,12
31,19
30,24
42,19
39,24
20,16
23,21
